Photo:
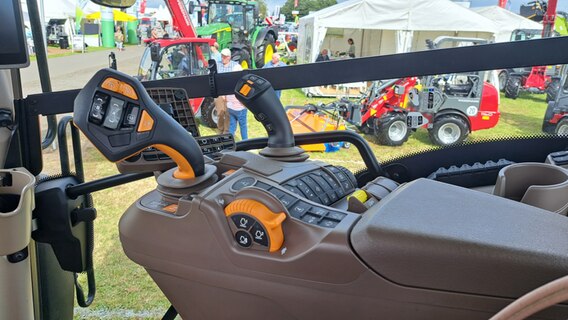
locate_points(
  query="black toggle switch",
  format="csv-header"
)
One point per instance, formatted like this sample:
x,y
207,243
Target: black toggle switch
x,y
98,108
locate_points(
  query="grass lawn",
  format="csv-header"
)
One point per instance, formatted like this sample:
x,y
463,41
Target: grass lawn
x,y
125,291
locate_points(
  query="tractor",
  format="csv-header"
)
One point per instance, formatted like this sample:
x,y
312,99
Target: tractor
x,y
450,106
163,59
556,115
234,24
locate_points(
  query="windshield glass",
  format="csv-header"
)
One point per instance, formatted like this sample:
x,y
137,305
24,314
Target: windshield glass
x,y
229,13
145,69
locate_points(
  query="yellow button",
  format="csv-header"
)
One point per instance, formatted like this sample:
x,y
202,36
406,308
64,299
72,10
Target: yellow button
x,y
245,90
146,122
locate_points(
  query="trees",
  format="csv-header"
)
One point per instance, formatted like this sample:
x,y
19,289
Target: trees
x,y
304,7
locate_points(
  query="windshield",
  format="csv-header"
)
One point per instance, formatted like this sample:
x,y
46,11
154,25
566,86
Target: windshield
x,y
145,68
229,13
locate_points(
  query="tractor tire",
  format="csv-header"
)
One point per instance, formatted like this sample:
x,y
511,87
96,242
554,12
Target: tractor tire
x,y
552,90
393,132
264,51
562,127
503,78
448,130
242,57
513,87
209,115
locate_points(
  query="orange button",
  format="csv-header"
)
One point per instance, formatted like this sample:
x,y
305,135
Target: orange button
x,y
128,91
120,87
245,90
172,208
111,84
146,122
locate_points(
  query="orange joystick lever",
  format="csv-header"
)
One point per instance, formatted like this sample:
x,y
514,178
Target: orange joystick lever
x,y
117,115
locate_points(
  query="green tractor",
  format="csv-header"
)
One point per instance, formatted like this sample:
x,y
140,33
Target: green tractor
x,y
236,25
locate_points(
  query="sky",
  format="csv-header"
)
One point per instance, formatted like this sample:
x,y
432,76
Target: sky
x,y
513,6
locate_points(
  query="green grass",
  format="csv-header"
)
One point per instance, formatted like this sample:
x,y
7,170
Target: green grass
x,y
122,285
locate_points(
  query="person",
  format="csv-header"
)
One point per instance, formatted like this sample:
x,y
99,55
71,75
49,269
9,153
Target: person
x,y
322,56
183,65
119,39
275,62
229,109
215,54
157,31
351,51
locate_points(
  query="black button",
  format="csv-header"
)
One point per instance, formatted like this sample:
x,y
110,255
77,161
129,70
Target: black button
x,y
346,185
114,113
336,215
119,140
268,127
261,117
243,239
242,222
293,189
244,182
309,193
278,193
299,209
253,78
259,81
332,182
332,196
150,156
98,108
206,150
216,140
227,138
262,185
325,199
163,156
311,219
143,135
259,235
328,223
313,185
131,116
319,180
202,142
317,211
333,169
341,176
287,200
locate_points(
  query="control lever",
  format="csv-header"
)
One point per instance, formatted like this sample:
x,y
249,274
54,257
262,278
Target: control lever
x,y
118,116
259,97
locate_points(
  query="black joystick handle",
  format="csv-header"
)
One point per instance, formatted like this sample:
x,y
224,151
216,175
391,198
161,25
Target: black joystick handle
x,y
118,116
259,97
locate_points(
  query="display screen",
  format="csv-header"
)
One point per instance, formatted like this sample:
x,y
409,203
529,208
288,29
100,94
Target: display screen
x,y
13,51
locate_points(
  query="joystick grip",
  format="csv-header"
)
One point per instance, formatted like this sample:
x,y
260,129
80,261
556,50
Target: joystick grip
x,y
118,116
259,97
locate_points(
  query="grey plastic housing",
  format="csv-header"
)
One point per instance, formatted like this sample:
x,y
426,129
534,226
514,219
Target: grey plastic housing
x,y
484,244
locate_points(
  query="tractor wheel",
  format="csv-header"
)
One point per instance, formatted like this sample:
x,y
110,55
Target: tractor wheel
x,y
394,132
265,50
448,129
513,87
503,77
209,115
562,127
552,90
242,57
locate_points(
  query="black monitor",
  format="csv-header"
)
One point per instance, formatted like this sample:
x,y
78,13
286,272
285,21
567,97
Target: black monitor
x,y
13,50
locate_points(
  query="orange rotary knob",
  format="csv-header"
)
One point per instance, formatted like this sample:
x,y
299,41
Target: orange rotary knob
x,y
256,223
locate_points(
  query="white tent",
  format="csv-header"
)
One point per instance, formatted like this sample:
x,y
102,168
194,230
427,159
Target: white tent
x,y
507,21
386,26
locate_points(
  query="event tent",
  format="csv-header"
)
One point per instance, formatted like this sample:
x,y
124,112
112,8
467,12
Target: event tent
x,y
386,26
506,21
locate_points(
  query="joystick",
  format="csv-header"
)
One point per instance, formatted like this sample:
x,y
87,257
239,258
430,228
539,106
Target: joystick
x,y
259,97
117,115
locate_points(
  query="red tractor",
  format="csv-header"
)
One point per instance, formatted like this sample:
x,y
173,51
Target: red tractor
x,y
449,106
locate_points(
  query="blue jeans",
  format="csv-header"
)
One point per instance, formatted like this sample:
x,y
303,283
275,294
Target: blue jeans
x,y
241,117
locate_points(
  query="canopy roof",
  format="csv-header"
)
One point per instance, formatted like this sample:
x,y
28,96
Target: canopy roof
x,y
506,21
414,15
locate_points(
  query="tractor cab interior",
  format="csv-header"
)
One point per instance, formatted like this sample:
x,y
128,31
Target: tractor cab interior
x,y
256,229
